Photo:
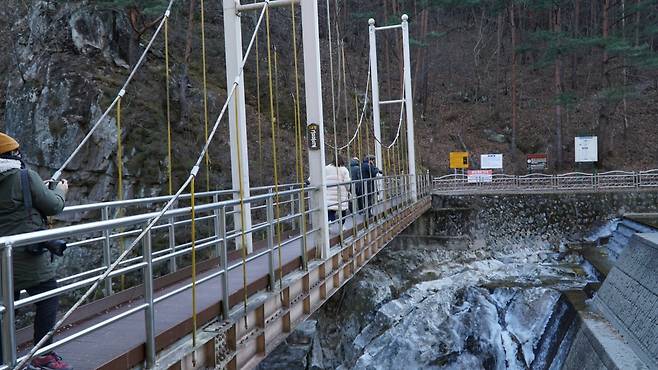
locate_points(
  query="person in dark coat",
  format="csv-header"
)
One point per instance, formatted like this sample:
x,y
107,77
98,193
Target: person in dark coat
x,y
369,171
355,173
33,269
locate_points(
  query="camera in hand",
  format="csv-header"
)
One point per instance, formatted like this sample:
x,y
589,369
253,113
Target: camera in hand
x,y
55,247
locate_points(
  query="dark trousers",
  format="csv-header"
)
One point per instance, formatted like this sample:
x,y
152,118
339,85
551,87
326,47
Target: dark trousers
x,y
46,311
333,215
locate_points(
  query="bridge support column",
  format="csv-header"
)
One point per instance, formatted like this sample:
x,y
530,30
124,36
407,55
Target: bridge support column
x,y
237,116
313,90
409,101
374,75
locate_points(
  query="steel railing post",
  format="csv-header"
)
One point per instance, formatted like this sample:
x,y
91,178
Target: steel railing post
x,y
8,319
293,208
270,240
149,313
173,266
107,254
355,208
224,264
216,226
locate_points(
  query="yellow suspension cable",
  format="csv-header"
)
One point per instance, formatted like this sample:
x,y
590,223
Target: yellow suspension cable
x,y
347,110
275,161
259,108
122,246
169,154
205,90
299,141
355,223
194,313
360,155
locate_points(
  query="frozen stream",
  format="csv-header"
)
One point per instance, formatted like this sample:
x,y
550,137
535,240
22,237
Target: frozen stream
x,y
431,308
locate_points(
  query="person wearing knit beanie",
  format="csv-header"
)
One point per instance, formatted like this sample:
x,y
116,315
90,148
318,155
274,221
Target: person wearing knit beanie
x,y
7,143
33,269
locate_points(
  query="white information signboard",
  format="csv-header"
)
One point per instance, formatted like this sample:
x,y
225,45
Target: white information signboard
x,y
479,176
587,149
491,161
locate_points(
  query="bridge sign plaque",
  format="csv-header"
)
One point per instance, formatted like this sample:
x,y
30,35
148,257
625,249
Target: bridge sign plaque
x,y
537,162
587,149
479,176
491,161
459,160
313,131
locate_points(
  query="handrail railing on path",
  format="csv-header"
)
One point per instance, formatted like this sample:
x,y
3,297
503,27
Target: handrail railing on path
x,y
169,240
573,181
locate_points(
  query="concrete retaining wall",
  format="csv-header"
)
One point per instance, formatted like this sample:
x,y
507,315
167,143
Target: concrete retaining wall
x,y
501,221
629,296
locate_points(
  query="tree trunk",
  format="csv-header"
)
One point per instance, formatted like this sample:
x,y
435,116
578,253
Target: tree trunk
x,y
605,33
576,34
514,87
624,70
557,27
499,47
135,36
637,23
184,77
420,53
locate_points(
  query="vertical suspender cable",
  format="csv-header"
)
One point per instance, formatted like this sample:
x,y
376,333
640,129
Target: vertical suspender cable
x,y
355,223
275,161
299,141
193,222
169,154
331,69
259,119
120,176
275,135
334,110
205,90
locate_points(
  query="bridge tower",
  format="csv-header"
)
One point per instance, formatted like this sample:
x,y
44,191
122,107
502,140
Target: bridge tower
x,y
314,113
407,99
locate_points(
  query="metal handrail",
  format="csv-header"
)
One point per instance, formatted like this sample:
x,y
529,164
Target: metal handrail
x,y
568,181
393,188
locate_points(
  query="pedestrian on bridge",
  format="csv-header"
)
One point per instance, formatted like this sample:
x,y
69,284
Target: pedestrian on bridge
x,y
355,175
369,172
25,202
338,191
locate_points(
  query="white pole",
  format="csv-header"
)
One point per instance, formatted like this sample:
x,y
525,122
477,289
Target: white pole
x,y
313,90
408,95
240,174
376,116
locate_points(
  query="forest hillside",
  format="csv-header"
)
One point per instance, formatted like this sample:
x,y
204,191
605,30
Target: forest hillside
x,y
515,77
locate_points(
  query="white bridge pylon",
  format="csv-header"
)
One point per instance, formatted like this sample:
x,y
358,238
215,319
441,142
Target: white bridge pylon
x,y
314,108
407,99
314,112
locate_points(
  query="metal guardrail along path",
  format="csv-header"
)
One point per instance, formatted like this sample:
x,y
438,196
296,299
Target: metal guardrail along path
x,y
150,321
568,182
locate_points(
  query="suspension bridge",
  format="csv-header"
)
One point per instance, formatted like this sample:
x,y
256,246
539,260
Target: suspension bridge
x,y
216,279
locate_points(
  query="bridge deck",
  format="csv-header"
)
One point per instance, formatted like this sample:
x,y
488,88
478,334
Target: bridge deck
x,y
120,345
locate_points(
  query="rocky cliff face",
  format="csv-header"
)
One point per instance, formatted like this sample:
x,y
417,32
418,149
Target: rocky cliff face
x,y
50,105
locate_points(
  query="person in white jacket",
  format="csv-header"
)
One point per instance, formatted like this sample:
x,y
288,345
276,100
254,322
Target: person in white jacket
x,y
338,196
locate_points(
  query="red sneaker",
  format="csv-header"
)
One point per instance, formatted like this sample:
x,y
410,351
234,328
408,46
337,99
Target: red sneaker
x,y
50,361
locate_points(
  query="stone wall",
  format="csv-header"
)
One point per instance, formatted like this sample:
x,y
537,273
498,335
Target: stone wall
x,y
516,220
629,296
